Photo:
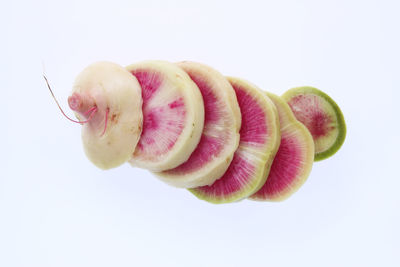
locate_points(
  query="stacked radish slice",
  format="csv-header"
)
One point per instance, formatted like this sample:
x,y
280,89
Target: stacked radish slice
x,y
223,138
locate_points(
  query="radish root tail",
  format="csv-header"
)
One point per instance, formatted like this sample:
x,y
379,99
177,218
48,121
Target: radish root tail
x,y
91,111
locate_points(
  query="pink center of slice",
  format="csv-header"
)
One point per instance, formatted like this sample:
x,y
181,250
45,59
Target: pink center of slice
x,y
309,111
285,168
176,104
211,107
162,122
254,128
150,82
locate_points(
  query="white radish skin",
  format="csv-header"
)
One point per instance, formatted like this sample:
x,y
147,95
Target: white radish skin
x,y
109,97
173,113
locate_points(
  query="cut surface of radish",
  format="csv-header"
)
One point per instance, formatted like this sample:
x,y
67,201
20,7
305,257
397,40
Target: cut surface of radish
x,y
322,117
109,98
220,137
293,161
173,115
259,142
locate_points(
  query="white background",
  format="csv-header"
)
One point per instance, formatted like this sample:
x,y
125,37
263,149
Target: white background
x,y
57,209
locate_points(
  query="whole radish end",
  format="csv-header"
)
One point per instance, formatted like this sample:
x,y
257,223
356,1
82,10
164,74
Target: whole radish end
x,y
107,100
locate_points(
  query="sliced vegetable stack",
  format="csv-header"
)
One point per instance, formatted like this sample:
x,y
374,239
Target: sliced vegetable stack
x,y
222,138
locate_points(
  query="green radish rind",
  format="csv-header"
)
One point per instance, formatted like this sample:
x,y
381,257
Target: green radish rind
x,y
341,125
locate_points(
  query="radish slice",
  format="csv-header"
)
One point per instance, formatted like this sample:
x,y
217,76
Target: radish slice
x,y
220,137
173,113
322,117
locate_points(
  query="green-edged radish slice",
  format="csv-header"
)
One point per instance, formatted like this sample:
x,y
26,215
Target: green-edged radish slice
x,y
322,117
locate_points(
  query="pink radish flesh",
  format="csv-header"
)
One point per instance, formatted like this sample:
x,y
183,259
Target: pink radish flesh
x,y
285,167
312,114
293,161
209,146
238,174
253,134
157,125
322,117
254,128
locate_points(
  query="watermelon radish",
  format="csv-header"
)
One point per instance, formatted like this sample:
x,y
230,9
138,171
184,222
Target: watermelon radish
x,y
322,117
293,161
220,137
173,115
259,142
108,98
